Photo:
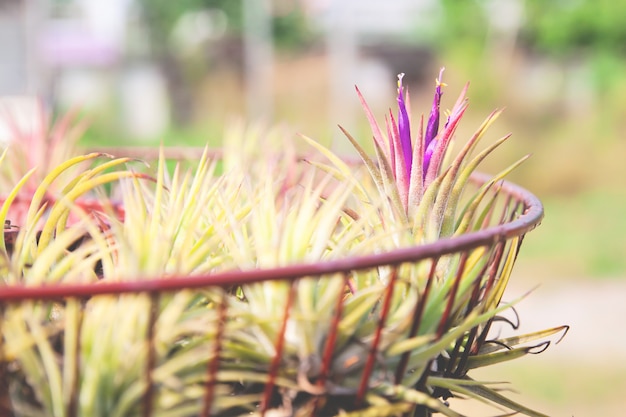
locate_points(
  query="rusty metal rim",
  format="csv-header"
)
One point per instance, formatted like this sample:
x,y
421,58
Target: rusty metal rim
x,y
528,220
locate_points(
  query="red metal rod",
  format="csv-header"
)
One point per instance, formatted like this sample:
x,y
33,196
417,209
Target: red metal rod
x,y
457,362
471,305
6,403
280,343
72,407
486,237
452,296
151,356
371,357
214,363
420,305
493,273
331,338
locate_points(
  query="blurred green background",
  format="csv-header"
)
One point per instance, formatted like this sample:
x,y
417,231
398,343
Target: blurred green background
x,y
181,72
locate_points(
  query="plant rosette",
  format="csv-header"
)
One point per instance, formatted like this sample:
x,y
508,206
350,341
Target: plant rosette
x,y
41,168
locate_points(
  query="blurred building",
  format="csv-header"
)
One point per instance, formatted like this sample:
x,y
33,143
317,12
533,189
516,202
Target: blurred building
x,y
74,53
99,55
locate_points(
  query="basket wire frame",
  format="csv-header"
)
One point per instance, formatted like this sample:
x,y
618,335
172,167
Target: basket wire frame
x,y
501,237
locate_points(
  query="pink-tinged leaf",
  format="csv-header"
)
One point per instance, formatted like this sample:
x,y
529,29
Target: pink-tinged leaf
x,y
428,154
60,131
378,136
416,182
392,147
401,174
390,185
462,97
443,140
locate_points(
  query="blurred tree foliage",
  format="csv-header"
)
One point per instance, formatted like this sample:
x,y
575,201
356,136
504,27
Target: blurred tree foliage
x,y
292,30
464,24
564,31
556,27
563,28
290,27
594,30
162,15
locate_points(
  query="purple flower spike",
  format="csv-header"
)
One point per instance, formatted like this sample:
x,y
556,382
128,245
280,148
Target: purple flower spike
x,y
404,128
432,127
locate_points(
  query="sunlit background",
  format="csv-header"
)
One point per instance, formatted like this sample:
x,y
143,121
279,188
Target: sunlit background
x,y
179,72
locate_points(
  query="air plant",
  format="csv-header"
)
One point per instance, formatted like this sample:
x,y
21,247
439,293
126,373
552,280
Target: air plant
x,y
391,339
45,143
422,196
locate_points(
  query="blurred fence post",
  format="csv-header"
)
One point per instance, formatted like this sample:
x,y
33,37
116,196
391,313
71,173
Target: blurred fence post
x,y
13,71
34,10
341,43
258,52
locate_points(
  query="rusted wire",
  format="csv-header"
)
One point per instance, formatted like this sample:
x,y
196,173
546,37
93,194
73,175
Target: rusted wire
x,y
151,356
278,354
213,365
331,338
418,311
452,296
527,221
373,351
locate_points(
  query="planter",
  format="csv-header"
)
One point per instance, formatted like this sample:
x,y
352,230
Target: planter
x,y
357,374
258,282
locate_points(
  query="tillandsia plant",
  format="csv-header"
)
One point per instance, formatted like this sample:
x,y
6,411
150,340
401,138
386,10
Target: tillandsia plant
x,y
387,339
45,144
422,196
410,169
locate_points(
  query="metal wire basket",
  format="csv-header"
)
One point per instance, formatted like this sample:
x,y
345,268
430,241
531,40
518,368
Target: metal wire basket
x,y
517,213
